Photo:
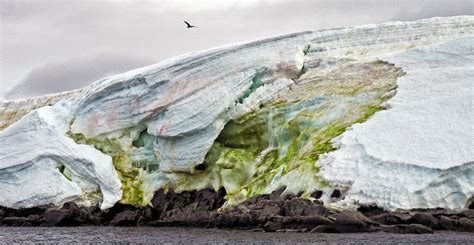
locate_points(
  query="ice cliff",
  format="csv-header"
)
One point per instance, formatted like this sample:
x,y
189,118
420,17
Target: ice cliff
x,y
383,113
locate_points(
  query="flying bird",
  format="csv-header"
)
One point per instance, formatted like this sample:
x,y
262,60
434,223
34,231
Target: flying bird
x,y
189,25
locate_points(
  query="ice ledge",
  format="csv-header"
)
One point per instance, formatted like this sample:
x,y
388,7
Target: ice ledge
x,y
417,154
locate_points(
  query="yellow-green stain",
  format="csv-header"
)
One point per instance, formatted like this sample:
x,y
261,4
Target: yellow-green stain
x,y
131,177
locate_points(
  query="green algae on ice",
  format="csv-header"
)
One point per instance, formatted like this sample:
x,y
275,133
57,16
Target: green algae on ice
x,y
130,176
275,145
298,132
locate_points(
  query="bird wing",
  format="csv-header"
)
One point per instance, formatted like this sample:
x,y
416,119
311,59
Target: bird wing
x,y
187,23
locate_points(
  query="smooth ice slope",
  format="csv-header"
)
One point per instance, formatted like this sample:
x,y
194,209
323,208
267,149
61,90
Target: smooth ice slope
x,y
255,116
419,153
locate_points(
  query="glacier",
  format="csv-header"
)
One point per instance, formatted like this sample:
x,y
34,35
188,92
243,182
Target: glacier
x,y
381,112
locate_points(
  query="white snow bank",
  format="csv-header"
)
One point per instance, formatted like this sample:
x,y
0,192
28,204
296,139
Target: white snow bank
x,y
35,148
419,153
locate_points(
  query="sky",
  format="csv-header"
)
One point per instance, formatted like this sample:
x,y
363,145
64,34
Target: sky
x,y
49,46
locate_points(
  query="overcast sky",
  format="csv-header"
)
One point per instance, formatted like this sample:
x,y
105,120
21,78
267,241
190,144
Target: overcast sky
x,y
55,45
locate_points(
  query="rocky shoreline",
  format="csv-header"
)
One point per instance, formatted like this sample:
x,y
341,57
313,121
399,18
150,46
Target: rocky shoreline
x,y
267,213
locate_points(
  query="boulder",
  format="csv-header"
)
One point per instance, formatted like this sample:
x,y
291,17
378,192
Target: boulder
x,y
324,229
425,219
465,224
14,221
312,221
54,218
159,199
276,194
125,218
268,211
468,213
147,214
336,194
273,225
315,209
317,194
407,229
446,223
392,218
356,218
371,210
294,207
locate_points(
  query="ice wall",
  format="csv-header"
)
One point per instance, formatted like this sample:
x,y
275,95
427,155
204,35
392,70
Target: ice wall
x,y
258,115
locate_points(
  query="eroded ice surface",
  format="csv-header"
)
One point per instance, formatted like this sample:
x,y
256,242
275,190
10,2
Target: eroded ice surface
x,y
255,116
420,152
41,165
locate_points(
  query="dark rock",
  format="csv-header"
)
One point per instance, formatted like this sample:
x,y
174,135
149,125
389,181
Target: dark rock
x,y
125,218
446,223
245,220
108,215
392,218
54,218
290,197
258,199
312,221
289,221
407,229
269,211
206,199
200,167
471,204
34,219
159,200
276,194
336,194
14,221
317,194
293,230
148,214
352,221
9,212
169,215
198,219
27,224
228,220
217,220
221,193
272,225
324,229
91,215
433,211
315,209
371,210
469,213
294,207
299,194
356,218
465,224
72,210
425,219
25,212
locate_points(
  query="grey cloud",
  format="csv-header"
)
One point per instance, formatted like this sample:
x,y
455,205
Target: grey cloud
x,y
428,9
36,33
72,74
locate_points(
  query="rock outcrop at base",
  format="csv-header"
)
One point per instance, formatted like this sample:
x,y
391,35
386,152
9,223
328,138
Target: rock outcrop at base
x,y
269,213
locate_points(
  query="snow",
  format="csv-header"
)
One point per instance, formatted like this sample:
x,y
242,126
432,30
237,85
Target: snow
x,y
36,147
419,153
